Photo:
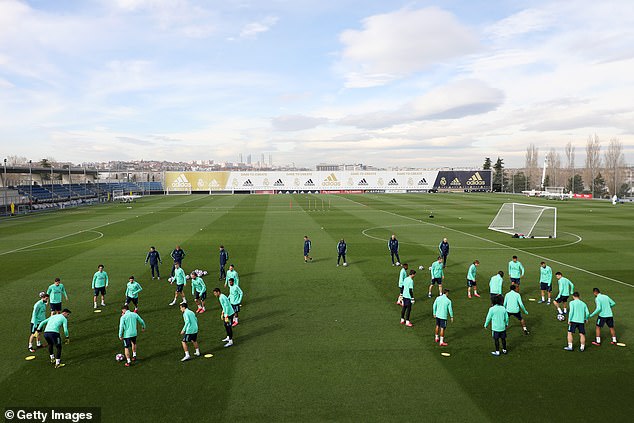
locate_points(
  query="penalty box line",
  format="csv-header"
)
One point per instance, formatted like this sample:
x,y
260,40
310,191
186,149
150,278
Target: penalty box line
x,y
504,245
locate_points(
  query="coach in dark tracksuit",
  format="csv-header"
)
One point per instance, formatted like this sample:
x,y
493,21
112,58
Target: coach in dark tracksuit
x,y
177,255
342,248
443,247
224,257
154,258
392,245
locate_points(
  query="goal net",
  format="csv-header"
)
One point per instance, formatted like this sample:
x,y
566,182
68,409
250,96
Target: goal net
x,y
179,191
526,220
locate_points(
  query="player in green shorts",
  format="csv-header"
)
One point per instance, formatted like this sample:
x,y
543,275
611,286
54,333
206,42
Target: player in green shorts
x,y
603,308
577,318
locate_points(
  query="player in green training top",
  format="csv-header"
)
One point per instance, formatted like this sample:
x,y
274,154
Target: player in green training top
x,y
401,277
516,271
606,317
513,303
545,281
577,318
132,293
235,298
565,289
52,326
226,315
442,310
181,280
128,332
437,276
499,319
56,290
199,291
38,315
232,273
189,331
495,285
471,279
99,284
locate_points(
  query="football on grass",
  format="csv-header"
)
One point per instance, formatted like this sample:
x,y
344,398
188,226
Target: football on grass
x,y
119,357
561,317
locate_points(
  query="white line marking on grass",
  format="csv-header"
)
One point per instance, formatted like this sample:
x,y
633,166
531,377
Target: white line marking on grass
x,y
503,245
59,237
99,236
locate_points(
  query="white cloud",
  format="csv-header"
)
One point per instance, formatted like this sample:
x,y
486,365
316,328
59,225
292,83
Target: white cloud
x,y
394,45
296,122
253,29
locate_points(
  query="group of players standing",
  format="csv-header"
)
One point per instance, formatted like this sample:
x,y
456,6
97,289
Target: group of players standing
x,y
503,306
130,319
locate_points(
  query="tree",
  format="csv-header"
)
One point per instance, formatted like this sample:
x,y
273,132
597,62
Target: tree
x,y
16,160
593,159
487,163
570,160
45,163
575,184
532,169
519,182
598,187
614,165
499,179
554,167
546,181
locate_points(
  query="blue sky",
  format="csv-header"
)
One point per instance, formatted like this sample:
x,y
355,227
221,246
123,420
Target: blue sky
x,y
387,83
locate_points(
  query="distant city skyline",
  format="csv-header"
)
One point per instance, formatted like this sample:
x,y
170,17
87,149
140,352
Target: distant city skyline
x,y
396,83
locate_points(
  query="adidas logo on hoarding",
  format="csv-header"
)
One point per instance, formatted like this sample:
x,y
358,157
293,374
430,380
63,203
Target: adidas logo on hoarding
x,y
309,183
331,181
422,182
181,182
393,182
214,183
278,183
455,182
248,183
363,182
476,179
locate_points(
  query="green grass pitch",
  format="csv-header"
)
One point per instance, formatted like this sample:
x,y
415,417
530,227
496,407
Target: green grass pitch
x,y
318,342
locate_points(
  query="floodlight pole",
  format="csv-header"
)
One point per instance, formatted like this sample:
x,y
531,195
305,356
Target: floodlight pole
x,y
30,185
5,183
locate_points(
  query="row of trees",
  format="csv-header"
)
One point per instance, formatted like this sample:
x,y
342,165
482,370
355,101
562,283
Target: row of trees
x,y
602,175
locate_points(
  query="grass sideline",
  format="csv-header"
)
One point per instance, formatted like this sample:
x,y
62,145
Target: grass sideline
x,y
318,342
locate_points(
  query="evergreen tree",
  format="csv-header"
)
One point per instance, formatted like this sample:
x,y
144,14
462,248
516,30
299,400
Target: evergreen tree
x,y
487,163
499,179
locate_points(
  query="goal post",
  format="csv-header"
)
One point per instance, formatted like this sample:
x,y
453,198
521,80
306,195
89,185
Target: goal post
x,y
529,220
179,191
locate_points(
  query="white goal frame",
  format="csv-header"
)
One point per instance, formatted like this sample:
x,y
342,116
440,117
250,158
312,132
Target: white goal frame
x,y
180,191
512,228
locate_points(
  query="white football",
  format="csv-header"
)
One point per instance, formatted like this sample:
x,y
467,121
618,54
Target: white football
x,y
398,264
561,317
345,264
421,267
119,357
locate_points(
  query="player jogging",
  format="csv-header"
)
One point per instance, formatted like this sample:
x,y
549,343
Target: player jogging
x,y
603,308
577,318
407,291
342,248
545,281
471,279
232,273
516,271
235,298
566,288
52,326
392,246
224,258
442,310
443,249
437,276
38,315
226,315
401,277
128,332
495,285
99,284
199,291
513,303
189,331
181,281
132,293
55,291
154,258
307,246
499,319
